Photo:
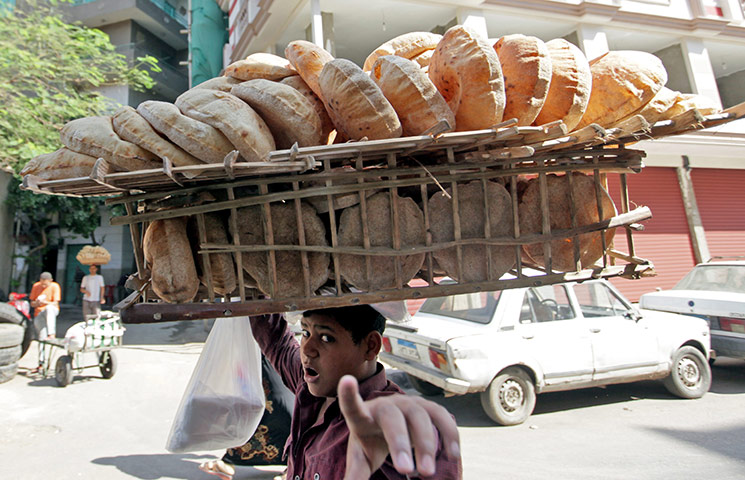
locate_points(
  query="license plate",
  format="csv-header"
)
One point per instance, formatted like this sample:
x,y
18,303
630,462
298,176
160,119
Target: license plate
x,y
408,349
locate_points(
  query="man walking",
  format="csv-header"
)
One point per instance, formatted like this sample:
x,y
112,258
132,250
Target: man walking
x,y
45,298
92,287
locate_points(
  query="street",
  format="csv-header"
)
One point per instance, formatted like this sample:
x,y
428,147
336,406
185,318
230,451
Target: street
x,y
117,428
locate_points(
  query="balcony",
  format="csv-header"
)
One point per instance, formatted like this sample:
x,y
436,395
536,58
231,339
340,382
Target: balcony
x,y
171,81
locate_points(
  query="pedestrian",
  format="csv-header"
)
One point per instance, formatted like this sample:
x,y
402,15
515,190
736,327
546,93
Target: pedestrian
x,y
45,298
349,420
92,287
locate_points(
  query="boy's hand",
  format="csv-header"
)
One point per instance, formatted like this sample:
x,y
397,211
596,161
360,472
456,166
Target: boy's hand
x,y
393,424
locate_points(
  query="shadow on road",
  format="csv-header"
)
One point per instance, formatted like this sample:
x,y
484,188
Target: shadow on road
x,y
728,376
723,441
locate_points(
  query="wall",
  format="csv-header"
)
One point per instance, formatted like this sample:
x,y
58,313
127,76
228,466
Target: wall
x,y
732,88
677,75
6,234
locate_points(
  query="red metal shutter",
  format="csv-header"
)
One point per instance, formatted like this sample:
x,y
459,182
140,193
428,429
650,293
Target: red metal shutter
x,y
720,194
665,240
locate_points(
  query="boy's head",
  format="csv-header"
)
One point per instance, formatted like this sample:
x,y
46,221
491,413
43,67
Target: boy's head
x,y
337,342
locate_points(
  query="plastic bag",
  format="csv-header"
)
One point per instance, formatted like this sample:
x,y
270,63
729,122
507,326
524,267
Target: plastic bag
x,y
224,399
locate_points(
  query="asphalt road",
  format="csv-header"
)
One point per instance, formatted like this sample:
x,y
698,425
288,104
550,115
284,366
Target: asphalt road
x,y
117,428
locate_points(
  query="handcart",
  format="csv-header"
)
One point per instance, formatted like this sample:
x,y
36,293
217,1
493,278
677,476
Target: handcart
x,y
98,334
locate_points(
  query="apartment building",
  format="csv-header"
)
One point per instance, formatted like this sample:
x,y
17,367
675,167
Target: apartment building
x,y
692,183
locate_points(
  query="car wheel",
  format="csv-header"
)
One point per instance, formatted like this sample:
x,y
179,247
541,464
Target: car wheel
x,y
510,398
691,374
423,387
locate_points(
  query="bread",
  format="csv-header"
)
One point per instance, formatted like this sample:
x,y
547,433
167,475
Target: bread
x,y
472,215
64,163
466,71
245,129
95,136
562,249
260,65
688,101
288,114
623,81
308,59
168,255
222,267
655,110
423,59
526,69
355,104
289,268
412,94
380,232
224,84
199,139
131,126
327,126
408,45
571,83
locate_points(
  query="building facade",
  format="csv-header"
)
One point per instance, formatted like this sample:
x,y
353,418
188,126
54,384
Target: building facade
x,y
692,183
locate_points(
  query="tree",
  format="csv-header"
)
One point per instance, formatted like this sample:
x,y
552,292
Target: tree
x,y
49,72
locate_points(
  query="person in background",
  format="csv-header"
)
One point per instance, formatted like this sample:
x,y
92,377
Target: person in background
x,y
45,298
92,287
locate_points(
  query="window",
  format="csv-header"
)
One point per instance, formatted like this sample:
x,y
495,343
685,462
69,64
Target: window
x,y
721,278
597,300
475,307
546,304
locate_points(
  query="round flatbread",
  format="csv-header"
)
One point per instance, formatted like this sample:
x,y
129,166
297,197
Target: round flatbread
x,y
688,101
408,45
168,255
63,163
466,71
380,232
415,99
224,84
308,59
475,266
260,65
327,126
526,69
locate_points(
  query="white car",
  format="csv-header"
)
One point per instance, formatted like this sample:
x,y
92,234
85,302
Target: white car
x,y
714,291
509,345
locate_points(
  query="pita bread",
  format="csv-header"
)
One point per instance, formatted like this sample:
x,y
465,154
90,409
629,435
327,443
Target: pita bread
x,y
688,101
355,104
466,71
168,254
415,99
472,215
131,126
222,267
245,129
308,59
655,110
408,45
199,139
327,126
260,65
380,232
64,163
526,69
571,83
424,58
288,263
623,81
288,114
224,84
562,249
95,136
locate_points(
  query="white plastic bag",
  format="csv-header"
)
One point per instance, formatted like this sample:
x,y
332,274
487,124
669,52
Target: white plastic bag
x,y
224,399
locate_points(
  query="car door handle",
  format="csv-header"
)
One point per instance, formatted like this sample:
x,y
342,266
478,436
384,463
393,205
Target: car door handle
x,y
595,330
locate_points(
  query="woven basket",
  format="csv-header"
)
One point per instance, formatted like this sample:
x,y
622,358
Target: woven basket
x,y
91,255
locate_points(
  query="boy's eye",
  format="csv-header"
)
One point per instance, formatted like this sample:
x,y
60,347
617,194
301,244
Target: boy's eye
x,y
327,338
305,333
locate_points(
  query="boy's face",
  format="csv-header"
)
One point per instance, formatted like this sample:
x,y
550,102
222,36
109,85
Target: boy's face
x,y
328,353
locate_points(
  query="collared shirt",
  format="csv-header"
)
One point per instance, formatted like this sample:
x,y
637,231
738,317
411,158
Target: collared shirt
x,y
51,294
317,447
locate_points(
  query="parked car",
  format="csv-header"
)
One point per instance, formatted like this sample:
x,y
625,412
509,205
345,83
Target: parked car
x,y
714,291
510,345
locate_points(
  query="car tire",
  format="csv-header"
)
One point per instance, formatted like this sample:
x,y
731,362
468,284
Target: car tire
x,y
510,398
11,335
424,387
9,314
7,372
690,376
9,355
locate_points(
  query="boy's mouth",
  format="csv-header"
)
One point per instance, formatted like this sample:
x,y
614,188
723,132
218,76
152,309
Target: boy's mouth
x,y
311,375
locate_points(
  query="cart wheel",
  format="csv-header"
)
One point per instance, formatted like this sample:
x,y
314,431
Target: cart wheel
x,y
107,362
63,370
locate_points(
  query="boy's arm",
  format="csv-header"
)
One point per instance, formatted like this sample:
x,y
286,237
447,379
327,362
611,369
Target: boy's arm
x,y
392,425
279,346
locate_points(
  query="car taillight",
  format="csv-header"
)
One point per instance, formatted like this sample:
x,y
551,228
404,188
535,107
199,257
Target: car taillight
x,y
387,344
732,324
438,358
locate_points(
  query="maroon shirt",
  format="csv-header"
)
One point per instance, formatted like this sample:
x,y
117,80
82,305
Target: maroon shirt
x,y
317,447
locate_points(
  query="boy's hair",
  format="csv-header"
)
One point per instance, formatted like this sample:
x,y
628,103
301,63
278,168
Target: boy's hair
x,y
359,320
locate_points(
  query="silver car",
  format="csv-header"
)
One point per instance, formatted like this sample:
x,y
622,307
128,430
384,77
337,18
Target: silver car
x,y
510,345
714,291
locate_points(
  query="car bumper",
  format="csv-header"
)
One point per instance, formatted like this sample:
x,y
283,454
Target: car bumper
x,y
727,346
447,383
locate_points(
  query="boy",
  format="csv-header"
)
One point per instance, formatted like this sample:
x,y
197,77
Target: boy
x,y
349,421
45,297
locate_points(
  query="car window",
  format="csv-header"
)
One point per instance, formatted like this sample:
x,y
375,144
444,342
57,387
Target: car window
x,y
597,300
475,307
722,278
546,304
